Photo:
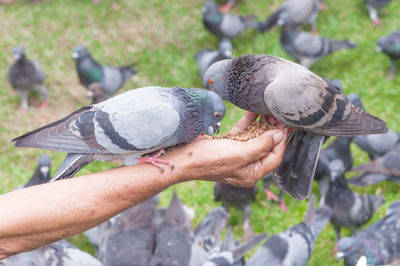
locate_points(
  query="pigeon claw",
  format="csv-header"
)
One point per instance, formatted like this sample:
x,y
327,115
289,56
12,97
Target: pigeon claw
x,y
270,195
156,161
225,8
43,105
377,22
282,206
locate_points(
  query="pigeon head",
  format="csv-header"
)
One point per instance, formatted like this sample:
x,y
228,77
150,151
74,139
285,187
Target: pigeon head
x,y
346,247
215,78
44,163
216,111
355,99
336,168
210,7
80,52
18,52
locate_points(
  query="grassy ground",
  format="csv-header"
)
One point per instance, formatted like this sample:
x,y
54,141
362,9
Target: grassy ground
x,y
161,38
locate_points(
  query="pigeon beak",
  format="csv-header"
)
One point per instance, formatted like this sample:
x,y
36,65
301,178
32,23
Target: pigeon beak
x,y
75,55
280,22
89,94
209,131
378,49
45,171
339,256
17,56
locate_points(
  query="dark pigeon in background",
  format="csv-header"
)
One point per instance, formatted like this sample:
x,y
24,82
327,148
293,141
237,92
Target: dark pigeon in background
x,y
295,245
293,12
313,106
238,197
224,25
25,77
390,45
61,252
206,57
129,125
373,7
96,92
130,240
42,172
89,71
379,243
350,209
308,48
267,181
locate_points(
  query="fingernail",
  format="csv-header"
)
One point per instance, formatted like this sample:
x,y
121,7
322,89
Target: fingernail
x,y
278,137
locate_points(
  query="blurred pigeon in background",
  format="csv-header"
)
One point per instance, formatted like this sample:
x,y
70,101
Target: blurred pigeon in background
x,y
206,57
89,71
373,7
379,243
313,106
267,181
295,245
61,252
26,76
350,209
390,45
129,125
42,172
130,240
223,25
308,48
293,12
96,92
238,197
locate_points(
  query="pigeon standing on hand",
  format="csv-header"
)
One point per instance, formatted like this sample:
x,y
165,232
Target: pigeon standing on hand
x,y
291,94
223,25
89,71
373,7
350,209
379,243
390,45
26,76
206,58
295,245
308,48
294,12
129,125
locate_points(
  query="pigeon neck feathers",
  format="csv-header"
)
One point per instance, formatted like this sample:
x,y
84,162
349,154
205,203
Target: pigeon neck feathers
x,y
89,70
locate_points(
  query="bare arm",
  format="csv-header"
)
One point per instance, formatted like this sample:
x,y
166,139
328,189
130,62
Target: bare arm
x,y
42,214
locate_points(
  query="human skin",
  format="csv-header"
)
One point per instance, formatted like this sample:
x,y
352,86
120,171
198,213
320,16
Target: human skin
x,y
39,215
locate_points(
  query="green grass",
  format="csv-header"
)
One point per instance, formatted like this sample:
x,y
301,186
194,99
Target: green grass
x,y
161,38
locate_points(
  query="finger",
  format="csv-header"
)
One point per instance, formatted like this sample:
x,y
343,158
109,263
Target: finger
x,y
244,122
274,158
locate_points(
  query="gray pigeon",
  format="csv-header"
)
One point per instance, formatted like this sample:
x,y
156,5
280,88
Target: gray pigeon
x,y
224,25
390,45
379,243
206,58
130,240
90,71
295,245
238,197
308,48
298,98
26,76
350,209
42,172
129,125
293,12
61,252
373,7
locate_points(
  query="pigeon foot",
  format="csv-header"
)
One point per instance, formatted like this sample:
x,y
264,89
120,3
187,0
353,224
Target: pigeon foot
x,y
323,6
377,22
225,8
282,206
156,161
270,195
43,105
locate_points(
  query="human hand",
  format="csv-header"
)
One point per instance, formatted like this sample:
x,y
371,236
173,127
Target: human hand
x,y
228,161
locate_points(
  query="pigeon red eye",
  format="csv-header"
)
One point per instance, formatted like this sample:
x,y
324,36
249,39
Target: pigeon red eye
x,y
218,114
210,81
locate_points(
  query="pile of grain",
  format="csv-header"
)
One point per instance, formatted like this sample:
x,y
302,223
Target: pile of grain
x,y
254,130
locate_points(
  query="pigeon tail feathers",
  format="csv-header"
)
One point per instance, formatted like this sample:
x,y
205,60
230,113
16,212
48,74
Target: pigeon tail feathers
x,y
71,165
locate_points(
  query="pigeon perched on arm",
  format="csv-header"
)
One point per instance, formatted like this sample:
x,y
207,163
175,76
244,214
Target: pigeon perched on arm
x,y
294,12
295,245
379,243
224,25
350,209
206,58
373,7
26,76
298,98
308,48
390,45
238,197
89,71
129,125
